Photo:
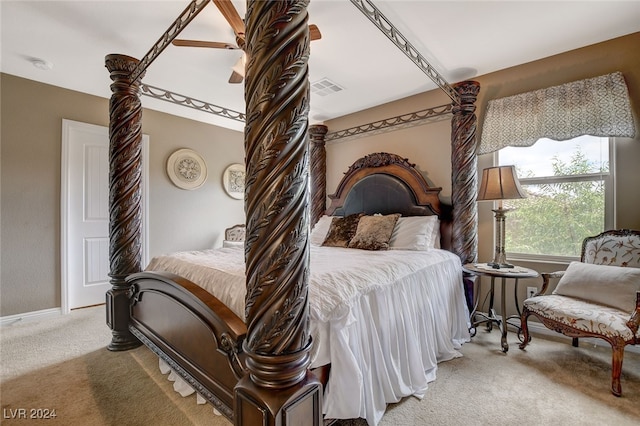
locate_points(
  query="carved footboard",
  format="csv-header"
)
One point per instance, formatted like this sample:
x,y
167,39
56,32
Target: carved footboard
x,y
190,329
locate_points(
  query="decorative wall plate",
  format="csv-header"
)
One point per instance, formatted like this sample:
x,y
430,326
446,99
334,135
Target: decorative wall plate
x,y
233,181
186,169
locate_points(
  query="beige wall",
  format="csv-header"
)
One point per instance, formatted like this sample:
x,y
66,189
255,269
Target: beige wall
x,y
190,220
31,129
429,145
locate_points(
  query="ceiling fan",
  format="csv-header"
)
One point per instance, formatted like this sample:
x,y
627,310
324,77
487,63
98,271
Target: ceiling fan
x,y
237,24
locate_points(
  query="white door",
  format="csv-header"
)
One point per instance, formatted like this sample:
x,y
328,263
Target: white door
x,y
85,214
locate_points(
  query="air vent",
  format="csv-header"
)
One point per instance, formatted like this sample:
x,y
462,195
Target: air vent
x,y
324,87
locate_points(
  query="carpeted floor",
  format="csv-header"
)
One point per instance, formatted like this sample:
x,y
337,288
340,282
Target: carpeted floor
x,y
63,365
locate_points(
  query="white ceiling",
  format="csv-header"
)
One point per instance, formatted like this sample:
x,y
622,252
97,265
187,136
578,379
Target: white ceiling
x,y
461,39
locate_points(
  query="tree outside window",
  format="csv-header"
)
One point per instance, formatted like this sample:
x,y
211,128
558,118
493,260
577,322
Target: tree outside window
x,y
570,196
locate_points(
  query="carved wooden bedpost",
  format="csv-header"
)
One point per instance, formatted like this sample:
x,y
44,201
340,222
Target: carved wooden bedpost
x,y
279,388
125,211
318,171
464,166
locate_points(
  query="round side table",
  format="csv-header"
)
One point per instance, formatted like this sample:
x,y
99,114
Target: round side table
x,y
490,317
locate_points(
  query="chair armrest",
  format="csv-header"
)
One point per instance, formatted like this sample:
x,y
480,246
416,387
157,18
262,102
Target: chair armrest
x,y
546,277
634,321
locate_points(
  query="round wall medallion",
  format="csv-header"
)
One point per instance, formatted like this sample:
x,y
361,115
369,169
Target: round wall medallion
x,y
233,180
186,169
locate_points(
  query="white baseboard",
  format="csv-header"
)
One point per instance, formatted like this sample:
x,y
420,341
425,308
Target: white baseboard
x,y
29,316
537,328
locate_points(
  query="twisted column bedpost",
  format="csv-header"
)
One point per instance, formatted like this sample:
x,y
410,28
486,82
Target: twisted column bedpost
x,y
464,165
125,211
464,180
318,171
278,389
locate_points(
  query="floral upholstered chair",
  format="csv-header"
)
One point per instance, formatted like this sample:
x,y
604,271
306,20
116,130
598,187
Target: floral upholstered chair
x,y
596,297
234,236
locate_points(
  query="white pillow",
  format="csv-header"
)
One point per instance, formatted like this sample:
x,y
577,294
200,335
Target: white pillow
x,y
229,244
416,233
436,235
319,230
614,286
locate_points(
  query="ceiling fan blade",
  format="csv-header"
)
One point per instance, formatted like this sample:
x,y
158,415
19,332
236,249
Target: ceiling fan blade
x,y
238,69
200,43
235,78
314,32
232,16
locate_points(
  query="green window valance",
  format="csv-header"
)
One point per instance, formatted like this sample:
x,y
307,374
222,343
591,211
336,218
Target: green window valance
x,y
596,106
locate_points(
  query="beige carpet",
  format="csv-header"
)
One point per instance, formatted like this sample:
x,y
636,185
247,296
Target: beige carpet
x,y
62,365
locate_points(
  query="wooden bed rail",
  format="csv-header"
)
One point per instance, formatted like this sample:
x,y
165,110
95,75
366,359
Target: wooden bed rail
x,y
192,331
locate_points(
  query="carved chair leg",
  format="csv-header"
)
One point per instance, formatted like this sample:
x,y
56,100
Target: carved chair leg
x,y
616,368
525,328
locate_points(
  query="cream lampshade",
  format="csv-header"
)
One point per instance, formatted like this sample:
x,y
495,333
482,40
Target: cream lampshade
x,y
497,184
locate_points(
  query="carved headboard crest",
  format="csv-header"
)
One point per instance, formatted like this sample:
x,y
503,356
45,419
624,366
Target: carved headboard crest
x,y
379,159
393,165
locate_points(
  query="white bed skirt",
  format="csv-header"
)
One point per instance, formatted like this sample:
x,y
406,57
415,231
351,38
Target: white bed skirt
x,y
396,355
181,386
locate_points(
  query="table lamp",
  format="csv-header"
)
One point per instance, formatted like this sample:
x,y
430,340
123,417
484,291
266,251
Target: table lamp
x,y
500,183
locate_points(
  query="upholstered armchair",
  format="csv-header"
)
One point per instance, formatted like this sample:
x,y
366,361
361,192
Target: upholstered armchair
x,y
596,297
234,236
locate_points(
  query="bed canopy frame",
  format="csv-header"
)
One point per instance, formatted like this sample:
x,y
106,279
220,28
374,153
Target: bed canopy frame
x,y
282,153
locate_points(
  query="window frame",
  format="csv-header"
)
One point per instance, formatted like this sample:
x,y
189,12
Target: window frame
x,y
609,202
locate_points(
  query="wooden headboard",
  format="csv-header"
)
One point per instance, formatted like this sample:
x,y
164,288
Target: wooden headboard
x,y
387,183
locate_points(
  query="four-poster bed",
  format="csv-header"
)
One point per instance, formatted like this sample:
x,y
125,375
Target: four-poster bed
x,y
257,370
425,295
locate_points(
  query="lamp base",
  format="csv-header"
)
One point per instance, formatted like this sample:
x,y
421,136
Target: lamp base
x,y
500,256
496,265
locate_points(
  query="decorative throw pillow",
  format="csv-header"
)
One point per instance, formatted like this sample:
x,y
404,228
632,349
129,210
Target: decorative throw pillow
x,y
341,230
614,286
416,233
320,230
374,232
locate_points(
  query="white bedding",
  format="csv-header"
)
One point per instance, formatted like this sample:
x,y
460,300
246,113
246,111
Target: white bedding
x,y
383,319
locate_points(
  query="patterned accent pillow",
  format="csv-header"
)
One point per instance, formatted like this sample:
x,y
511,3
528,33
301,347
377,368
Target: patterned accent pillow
x,y
341,231
374,232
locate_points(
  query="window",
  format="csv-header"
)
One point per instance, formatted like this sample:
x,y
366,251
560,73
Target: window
x,y
570,196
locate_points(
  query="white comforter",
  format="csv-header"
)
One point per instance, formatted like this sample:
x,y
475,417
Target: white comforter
x,y
383,319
